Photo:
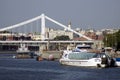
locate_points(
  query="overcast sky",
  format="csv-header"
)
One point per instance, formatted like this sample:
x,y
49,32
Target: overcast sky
x,y
97,14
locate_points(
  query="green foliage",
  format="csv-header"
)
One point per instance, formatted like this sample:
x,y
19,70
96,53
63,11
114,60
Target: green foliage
x,y
112,40
63,37
118,39
5,32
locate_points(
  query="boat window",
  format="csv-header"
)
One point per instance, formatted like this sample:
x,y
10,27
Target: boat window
x,y
65,55
97,55
84,47
76,50
81,55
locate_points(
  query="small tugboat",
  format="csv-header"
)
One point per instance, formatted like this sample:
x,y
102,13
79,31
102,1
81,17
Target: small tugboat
x,y
23,52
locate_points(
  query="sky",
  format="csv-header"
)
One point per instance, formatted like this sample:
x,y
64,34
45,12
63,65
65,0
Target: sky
x,y
85,14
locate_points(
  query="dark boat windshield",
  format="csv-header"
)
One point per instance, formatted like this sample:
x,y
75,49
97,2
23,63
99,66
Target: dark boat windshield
x,y
81,55
85,47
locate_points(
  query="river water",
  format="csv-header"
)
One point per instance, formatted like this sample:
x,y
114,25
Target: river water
x,y
30,69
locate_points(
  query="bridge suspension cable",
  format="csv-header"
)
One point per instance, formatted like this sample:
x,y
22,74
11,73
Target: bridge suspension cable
x,y
21,24
43,17
67,28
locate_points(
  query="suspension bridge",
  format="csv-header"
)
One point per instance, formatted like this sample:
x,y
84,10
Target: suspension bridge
x,y
43,18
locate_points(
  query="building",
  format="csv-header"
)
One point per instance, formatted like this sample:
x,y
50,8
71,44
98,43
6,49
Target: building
x,y
53,33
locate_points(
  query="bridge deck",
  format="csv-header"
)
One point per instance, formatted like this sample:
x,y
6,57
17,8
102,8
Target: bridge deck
x,y
46,41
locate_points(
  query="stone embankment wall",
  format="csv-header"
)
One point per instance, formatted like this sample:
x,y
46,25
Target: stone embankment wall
x,y
55,54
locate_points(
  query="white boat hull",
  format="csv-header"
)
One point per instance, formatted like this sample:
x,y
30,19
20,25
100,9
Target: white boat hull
x,y
82,63
118,62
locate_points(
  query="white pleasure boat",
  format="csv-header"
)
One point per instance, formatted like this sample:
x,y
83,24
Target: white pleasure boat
x,y
85,59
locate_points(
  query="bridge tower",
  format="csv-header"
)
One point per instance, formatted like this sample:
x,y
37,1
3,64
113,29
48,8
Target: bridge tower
x,y
43,27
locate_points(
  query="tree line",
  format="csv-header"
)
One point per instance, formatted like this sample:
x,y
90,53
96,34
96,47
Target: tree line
x,y
112,40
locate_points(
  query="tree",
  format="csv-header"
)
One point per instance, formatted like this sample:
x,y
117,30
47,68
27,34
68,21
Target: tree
x,y
112,40
118,39
5,32
63,37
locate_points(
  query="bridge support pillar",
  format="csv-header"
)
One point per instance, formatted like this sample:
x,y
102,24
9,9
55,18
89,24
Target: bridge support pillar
x,y
42,27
